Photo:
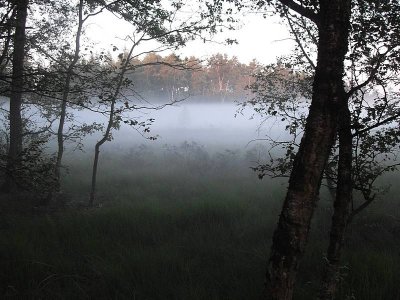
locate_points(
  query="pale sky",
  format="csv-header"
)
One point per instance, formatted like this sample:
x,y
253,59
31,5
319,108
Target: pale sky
x,y
259,38
263,39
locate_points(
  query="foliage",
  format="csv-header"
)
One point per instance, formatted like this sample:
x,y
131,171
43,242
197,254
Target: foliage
x,y
33,173
164,77
372,72
64,71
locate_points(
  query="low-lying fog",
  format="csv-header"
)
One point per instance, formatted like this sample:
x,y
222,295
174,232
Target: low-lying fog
x,y
215,127
211,125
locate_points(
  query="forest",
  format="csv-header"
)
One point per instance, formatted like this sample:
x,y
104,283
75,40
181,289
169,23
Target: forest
x,y
129,170
218,78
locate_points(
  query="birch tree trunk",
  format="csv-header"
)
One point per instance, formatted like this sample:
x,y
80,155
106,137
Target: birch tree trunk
x,y
111,120
341,207
292,232
65,95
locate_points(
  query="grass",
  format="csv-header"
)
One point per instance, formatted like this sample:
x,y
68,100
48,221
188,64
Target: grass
x,y
200,251
167,232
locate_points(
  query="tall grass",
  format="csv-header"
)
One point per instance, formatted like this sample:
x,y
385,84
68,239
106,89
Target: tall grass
x,y
181,229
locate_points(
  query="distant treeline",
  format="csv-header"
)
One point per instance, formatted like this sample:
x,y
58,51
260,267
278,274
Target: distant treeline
x,y
218,78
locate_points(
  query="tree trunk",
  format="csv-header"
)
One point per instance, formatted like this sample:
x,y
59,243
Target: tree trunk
x,y
63,108
110,123
341,206
17,87
291,235
92,196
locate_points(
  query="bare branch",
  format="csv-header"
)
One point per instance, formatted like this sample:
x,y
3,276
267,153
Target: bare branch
x,y
299,42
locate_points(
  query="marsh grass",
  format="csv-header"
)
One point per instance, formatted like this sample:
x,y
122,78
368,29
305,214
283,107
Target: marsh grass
x,y
175,229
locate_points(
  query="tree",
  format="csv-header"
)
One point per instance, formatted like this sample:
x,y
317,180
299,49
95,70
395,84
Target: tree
x,y
328,96
58,75
151,22
65,95
384,24
49,72
364,68
8,14
71,75
40,80
17,88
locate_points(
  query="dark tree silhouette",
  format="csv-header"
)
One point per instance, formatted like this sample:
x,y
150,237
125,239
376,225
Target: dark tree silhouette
x,y
17,88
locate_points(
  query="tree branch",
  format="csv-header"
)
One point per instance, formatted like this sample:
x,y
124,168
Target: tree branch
x,y
360,208
107,6
371,75
383,122
299,42
305,12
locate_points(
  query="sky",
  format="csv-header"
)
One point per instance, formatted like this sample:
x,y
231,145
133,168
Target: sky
x,y
258,38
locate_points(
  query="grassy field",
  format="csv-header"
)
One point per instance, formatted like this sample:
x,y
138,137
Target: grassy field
x,y
182,225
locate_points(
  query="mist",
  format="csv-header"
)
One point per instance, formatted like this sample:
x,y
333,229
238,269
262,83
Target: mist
x,y
215,126
149,150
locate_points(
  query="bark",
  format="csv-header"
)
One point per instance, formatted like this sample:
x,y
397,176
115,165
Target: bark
x,y
111,120
6,32
106,135
63,108
17,87
66,91
341,207
291,235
